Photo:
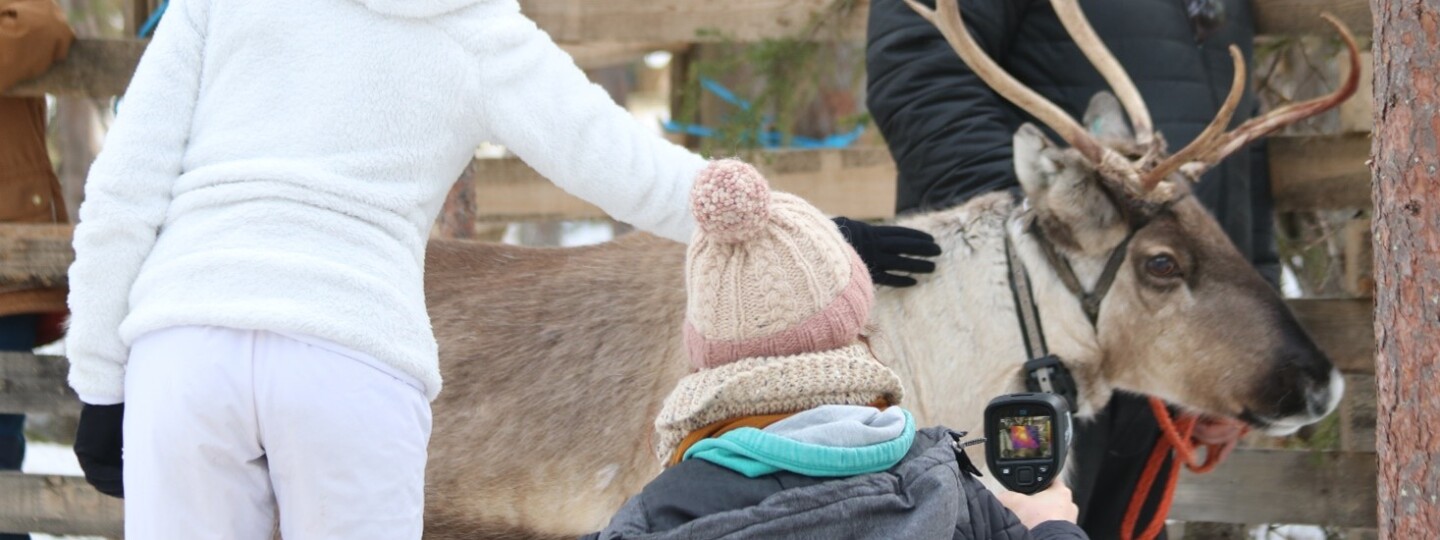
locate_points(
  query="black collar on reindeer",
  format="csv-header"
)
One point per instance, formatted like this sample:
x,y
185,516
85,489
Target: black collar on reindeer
x,y
1046,372
1089,300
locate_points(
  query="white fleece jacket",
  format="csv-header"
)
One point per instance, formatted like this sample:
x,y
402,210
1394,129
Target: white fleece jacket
x,y
278,165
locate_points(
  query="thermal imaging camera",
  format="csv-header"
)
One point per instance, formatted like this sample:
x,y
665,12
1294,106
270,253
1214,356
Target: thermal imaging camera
x,y
1026,438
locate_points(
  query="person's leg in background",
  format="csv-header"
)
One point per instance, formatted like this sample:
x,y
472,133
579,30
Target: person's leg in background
x,y
17,333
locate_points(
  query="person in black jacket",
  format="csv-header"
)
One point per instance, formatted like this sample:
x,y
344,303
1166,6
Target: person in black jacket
x,y
951,135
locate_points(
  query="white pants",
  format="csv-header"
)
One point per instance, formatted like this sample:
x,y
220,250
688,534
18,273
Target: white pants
x,y
224,427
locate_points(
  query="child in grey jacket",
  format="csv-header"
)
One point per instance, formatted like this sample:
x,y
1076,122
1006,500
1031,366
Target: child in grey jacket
x,y
789,427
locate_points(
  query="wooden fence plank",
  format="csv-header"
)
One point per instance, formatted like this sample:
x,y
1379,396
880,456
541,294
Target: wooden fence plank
x,y
599,33
858,183
1344,329
1320,173
751,20
1307,173
35,384
34,255
94,68
1282,486
102,67
57,505
1358,414
1292,17
1252,486
685,20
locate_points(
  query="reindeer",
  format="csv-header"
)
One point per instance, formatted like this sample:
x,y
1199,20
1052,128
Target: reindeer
x,y
557,360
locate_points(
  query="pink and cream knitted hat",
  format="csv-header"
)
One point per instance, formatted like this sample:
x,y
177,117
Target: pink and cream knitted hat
x,y
767,274
777,301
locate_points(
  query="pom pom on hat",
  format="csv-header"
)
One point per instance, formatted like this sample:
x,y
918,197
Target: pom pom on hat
x,y
730,200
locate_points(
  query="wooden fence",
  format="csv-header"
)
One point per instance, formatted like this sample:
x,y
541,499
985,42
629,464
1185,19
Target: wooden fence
x,y
1255,486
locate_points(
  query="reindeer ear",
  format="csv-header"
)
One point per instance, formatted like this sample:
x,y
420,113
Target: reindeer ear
x,y
1034,155
1106,119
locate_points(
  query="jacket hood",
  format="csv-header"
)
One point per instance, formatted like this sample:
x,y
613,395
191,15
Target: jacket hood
x,y
917,498
418,8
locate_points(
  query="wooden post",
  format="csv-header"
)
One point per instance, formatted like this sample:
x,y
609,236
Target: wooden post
x,y
1406,163
679,78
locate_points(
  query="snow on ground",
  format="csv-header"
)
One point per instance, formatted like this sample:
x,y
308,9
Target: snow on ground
x,y
1288,532
48,458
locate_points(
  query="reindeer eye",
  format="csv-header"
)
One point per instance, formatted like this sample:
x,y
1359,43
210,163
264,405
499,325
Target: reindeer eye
x,y
1162,266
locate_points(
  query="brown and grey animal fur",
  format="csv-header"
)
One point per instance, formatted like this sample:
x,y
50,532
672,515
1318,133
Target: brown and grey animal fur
x,y
557,360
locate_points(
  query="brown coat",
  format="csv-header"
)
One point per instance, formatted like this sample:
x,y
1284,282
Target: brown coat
x,y
33,35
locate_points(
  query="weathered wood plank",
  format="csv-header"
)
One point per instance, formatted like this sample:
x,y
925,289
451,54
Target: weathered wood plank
x,y
1320,173
1282,486
858,183
1358,414
685,20
751,20
35,384
600,33
103,67
34,256
1252,486
57,505
1344,329
1294,17
95,68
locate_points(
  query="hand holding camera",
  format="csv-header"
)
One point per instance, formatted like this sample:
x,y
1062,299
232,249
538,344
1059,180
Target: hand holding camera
x,y
1054,504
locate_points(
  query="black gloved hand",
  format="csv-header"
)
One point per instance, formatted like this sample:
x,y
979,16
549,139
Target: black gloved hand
x,y
887,248
97,444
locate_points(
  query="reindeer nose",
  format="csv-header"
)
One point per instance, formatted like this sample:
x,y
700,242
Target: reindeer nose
x,y
1326,397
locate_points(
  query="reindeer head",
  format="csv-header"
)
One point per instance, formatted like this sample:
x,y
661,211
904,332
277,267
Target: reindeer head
x,y
1186,317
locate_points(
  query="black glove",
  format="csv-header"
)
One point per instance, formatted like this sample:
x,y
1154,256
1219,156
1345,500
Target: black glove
x,y
887,248
97,443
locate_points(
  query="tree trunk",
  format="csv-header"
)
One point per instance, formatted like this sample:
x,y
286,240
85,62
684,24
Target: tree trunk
x,y
1407,264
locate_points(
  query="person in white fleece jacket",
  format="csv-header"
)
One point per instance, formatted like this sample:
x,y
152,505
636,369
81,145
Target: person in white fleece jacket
x,y
249,259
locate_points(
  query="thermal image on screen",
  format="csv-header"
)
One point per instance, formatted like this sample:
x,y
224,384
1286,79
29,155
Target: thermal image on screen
x,y
1024,437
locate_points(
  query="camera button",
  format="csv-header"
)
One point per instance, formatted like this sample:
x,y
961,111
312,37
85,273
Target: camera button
x,y
1025,476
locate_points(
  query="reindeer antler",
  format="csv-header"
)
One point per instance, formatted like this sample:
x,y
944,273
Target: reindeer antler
x,y
1294,112
1206,140
1104,61
1212,145
946,17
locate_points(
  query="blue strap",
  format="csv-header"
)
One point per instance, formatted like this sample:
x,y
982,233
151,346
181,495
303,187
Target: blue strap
x,y
147,29
767,138
723,93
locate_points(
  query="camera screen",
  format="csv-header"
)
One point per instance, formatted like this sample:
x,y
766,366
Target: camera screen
x,y
1024,437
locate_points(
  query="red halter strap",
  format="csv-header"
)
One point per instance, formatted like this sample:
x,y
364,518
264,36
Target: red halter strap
x,y
1178,437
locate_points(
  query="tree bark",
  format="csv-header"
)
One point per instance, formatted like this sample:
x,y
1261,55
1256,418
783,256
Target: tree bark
x,y
1407,264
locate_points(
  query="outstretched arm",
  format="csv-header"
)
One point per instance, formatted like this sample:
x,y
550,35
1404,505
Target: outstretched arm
x,y
539,104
